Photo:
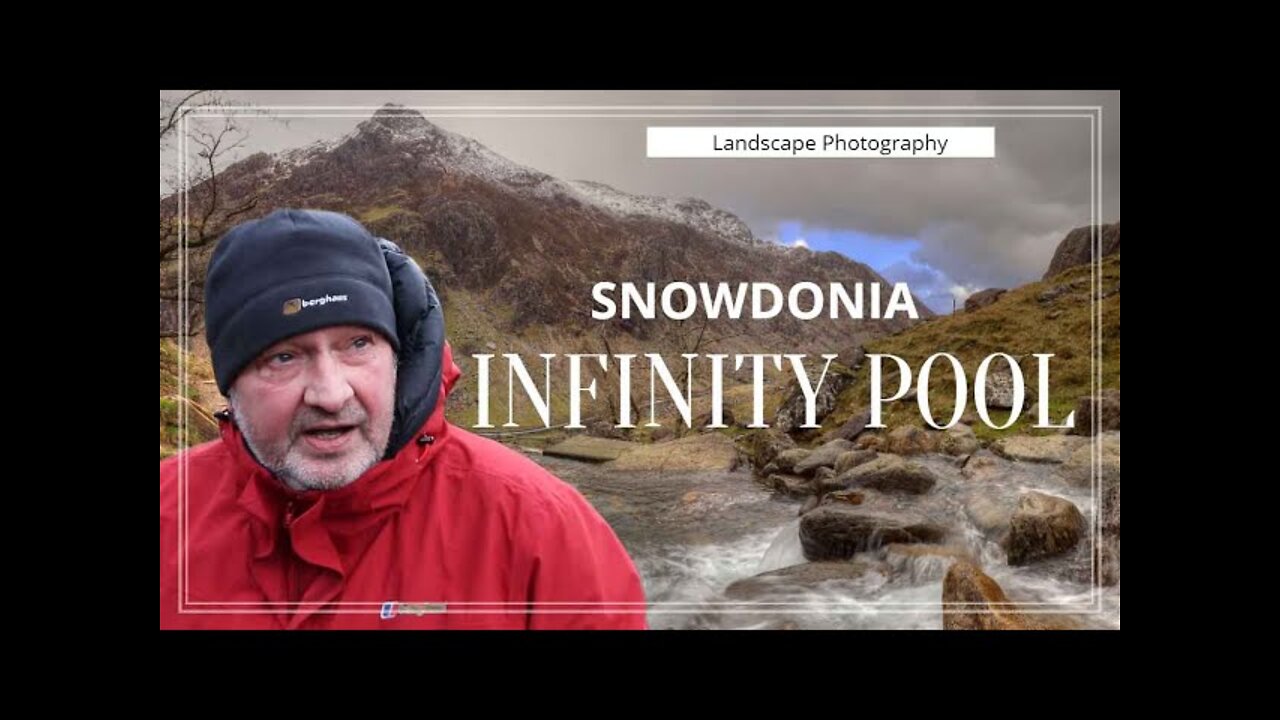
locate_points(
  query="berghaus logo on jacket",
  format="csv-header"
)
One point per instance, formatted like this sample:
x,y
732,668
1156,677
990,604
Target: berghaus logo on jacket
x,y
297,305
391,609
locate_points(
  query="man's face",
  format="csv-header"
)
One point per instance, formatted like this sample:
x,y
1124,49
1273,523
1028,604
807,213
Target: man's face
x,y
316,409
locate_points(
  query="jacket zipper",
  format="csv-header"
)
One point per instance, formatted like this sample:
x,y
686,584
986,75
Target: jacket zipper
x,y
291,587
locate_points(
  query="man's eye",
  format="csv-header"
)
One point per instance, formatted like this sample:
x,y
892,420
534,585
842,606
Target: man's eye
x,y
281,358
362,342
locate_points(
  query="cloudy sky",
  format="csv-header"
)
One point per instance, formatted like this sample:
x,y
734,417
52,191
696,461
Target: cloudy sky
x,y
945,226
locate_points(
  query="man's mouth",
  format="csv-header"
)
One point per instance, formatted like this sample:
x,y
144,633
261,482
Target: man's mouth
x,y
330,438
329,432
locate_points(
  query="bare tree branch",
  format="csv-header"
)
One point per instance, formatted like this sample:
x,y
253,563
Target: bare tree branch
x,y
212,205
176,113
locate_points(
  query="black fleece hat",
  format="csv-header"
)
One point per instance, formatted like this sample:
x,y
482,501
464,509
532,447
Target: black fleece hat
x,y
292,272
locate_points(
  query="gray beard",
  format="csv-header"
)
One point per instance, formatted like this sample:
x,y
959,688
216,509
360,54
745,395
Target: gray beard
x,y
293,471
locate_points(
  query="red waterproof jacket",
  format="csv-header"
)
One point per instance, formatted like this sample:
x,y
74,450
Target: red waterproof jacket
x,y
454,531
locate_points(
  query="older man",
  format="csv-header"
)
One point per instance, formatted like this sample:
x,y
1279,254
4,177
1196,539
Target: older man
x,y
338,495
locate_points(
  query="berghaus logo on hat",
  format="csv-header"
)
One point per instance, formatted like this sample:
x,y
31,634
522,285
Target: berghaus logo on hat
x,y
297,305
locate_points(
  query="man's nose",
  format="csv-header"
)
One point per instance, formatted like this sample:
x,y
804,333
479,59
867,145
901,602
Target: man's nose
x,y
328,388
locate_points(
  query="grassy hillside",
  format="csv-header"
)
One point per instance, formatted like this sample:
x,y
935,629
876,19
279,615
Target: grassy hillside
x,y
197,393
1018,324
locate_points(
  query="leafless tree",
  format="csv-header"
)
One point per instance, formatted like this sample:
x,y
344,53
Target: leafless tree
x,y
210,210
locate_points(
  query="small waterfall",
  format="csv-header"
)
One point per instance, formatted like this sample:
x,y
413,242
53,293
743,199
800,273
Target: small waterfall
x,y
785,550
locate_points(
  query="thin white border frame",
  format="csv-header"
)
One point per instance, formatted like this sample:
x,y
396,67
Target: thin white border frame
x,y
1095,117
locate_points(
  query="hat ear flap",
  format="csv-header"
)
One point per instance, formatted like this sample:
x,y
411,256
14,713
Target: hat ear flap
x,y
420,327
